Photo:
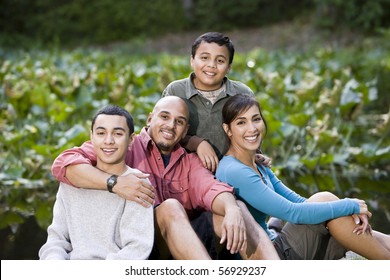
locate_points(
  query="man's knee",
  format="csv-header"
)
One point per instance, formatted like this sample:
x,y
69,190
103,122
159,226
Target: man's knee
x,y
168,211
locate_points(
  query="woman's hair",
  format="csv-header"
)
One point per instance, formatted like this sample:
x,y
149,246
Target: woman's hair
x,y
214,37
237,104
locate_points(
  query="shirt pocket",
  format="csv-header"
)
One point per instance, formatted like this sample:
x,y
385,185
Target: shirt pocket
x,y
178,189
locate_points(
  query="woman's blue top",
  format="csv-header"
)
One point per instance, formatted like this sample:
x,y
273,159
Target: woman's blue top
x,y
268,196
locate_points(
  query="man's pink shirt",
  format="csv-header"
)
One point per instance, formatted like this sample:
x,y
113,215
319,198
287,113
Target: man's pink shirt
x,y
184,179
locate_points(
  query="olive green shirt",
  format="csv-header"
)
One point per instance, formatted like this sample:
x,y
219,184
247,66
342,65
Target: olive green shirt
x,y
205,117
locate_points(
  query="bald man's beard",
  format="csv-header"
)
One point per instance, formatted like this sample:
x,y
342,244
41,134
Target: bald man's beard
x,y
164,146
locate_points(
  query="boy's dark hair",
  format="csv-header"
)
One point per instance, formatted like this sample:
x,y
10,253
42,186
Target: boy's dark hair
x,y
214,37
118,111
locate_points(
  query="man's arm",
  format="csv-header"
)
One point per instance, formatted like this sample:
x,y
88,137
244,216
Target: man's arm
x,y
232,228
130,187
75,167
78,155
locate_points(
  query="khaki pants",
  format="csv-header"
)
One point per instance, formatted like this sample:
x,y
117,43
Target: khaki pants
x,y
307,242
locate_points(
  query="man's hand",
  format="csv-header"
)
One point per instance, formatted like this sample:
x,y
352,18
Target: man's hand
x,y
208,156
135,187
233,230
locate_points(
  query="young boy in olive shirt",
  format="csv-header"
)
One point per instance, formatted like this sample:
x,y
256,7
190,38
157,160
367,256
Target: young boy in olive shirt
x,y
205,92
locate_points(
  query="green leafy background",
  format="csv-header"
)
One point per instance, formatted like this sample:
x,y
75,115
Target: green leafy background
x,y
327,111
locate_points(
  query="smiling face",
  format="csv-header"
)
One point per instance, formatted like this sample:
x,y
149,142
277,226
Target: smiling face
x,y
168,123
246,131
210,64
110,137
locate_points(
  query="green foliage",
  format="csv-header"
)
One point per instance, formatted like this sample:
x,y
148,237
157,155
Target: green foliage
x,y
82,22
320,108
47,101
327,111
358,14
230,14
78,22
328,119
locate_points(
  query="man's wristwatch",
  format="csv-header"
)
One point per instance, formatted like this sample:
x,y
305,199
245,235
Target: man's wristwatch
x,y
111,182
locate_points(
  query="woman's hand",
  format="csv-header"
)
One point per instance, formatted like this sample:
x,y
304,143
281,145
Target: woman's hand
x,y
361,219
363,207
362,224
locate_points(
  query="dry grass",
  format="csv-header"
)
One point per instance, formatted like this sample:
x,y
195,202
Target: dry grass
x,y
291,36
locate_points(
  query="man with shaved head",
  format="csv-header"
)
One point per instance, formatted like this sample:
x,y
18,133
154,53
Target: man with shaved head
x,y
181,188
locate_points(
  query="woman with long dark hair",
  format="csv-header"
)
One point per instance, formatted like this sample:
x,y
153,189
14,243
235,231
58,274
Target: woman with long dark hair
x,y
319,227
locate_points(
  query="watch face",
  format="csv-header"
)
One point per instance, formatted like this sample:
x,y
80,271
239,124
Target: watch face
x,y
111,181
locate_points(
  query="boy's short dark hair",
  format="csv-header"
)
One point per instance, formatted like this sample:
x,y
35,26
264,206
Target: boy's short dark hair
x,y
214,37
115,111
